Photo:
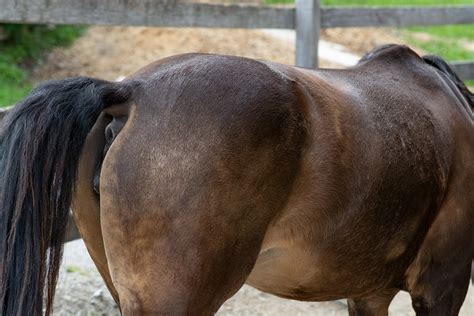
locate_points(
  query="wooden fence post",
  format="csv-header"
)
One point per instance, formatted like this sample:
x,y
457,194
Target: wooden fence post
x,y
3,112
308,20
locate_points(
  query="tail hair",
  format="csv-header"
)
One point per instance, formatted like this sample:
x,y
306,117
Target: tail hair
x,y
442,66
40,143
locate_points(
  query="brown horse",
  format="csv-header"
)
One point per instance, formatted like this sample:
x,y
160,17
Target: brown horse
x,y
202,172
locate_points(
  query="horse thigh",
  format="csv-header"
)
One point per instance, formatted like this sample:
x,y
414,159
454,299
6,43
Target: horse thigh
x,y
187,264
184,240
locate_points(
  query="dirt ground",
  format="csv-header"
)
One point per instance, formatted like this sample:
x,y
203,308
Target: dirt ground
x,y
111,52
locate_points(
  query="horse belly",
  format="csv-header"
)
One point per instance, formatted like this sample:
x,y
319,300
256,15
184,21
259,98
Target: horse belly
x,y
284,273
295,270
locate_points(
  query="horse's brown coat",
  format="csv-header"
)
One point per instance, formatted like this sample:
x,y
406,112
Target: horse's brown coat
x,y
308,184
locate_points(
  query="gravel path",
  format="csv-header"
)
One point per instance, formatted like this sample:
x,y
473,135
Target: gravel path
x,y
81,292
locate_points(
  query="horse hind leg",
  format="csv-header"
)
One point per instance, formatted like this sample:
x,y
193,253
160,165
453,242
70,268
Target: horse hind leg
x,y
373,305
449,303
439,277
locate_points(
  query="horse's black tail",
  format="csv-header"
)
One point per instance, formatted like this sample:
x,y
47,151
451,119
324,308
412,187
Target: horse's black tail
x,y
442,66
40,143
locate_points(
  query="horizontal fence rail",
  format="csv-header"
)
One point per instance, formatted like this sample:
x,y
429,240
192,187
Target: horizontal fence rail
x,y
403,16
464,69
145,13
169,13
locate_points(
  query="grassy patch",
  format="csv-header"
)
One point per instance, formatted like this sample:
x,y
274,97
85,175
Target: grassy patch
x,y
378,2
447,41
448,48
23,47
462,32
74,269
279,1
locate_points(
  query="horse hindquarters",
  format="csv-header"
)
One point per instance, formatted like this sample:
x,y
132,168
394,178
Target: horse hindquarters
x,y
189,186
185,246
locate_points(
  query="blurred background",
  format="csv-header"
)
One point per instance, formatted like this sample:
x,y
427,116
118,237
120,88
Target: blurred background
x,y
33,53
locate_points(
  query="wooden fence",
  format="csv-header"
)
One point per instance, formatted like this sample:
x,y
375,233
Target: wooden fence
x,y
307,17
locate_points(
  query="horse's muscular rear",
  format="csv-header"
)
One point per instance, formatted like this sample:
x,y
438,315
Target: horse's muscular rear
x,y
205,161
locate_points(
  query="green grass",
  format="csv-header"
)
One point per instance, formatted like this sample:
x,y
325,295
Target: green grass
x,y
74,269
24,46
465,32
445,41
447,47
379,2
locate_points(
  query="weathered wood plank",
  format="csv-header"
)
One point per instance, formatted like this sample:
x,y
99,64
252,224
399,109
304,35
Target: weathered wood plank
x,y
3,112
464,69
146,13
400,16
307,33
173,13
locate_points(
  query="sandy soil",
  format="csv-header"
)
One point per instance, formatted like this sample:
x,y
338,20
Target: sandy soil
x,y
110,52
362,39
